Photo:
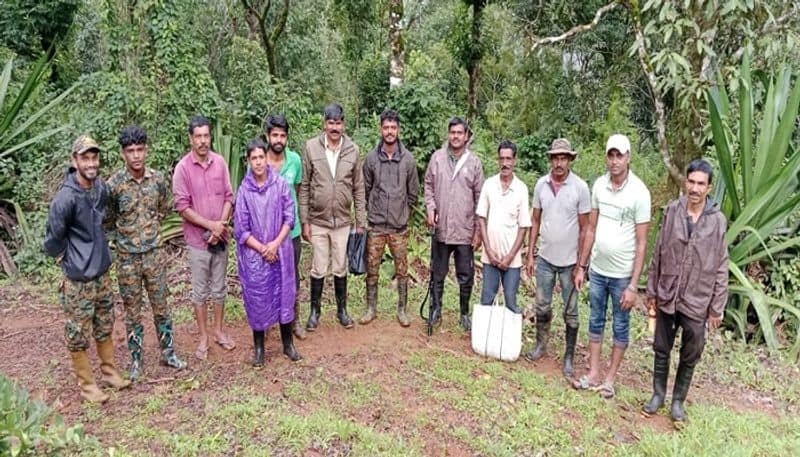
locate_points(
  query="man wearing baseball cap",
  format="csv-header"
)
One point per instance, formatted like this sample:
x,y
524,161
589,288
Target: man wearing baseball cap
x,y
617,240
561,205
75,237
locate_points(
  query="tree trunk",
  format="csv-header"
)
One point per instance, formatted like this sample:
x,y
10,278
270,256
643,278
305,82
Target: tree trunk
x,y
396,43
476,54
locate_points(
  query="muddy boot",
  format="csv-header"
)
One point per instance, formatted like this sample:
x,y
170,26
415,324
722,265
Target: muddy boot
x,y
542,335
135,346
258,348
682,382
463,297
402,299
83,370
660,375
340,289
167,343
372,303
569,351
288,344
316,296
297,328
105,351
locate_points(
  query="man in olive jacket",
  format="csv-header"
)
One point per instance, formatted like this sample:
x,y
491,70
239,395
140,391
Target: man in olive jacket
x,y
332,183
391,186
687,284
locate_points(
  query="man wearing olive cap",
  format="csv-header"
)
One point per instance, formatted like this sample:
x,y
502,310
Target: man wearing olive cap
x,y
75,236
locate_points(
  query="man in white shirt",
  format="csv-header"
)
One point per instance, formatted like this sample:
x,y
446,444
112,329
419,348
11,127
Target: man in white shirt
x,y
503,218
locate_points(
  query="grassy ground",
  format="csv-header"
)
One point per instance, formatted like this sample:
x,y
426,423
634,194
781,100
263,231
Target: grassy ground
x,y
383,390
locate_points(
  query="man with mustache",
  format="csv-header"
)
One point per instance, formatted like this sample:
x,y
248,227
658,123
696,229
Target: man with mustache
x,y
288,164
201,184
333,183
140,199
503,217
391,185
453,183
561,205
75,237
617,240
687,284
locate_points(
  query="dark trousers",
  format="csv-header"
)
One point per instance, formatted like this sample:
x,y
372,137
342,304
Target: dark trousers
x,y
298,248
693,338
465,270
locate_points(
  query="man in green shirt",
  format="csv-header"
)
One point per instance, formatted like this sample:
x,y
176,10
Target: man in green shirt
x,y
288,163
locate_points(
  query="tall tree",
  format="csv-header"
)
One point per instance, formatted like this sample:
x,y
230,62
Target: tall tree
x,y
396,43
268,25
475,56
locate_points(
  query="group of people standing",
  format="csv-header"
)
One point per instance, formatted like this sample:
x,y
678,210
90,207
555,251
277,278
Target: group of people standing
x,y
575,237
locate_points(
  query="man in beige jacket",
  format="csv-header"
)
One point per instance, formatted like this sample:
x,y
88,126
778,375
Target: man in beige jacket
x,y
332,183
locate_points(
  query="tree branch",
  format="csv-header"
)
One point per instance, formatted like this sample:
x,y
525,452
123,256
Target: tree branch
x,y
281,22
577,29
776,25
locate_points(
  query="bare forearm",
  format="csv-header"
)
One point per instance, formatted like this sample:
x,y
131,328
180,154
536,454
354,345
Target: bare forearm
x,y
283,234
227,207
518,242
193,217
482,230
534,236
588,241
253,243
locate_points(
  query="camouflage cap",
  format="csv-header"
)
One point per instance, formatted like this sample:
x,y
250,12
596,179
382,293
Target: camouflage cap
x,y
85,143
561,146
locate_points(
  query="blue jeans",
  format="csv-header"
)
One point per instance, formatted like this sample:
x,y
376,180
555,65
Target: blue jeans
x,y
545,281
492,277
600,288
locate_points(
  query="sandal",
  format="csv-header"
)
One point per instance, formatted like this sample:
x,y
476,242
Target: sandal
x,y
225,343
584,383
201,352
606,390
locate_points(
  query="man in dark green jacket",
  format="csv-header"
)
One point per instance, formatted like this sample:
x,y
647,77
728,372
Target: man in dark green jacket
x,y
391,185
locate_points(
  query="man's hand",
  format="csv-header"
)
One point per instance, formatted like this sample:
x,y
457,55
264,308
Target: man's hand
x,y
504,263
433,219
360,229
651,303
307,232
579,277
494,260
628,299
714,321
476,242
218,229
530,266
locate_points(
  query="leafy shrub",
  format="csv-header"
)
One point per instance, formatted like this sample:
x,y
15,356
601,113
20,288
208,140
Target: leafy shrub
x,y
29,427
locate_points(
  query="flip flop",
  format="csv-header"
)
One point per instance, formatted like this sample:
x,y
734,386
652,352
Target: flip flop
x,y
606,390
583,383
201,352
225,343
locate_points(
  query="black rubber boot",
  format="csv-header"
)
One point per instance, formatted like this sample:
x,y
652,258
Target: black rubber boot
x,y
288,343
436,304
340,288
682,382
464,294
258,348
542,335
660,376
571,338
316,296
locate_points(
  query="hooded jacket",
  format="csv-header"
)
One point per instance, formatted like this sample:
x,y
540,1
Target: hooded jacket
x,y
75,229
689,271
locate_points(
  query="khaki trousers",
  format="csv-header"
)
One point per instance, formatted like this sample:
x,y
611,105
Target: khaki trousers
x,y
329,246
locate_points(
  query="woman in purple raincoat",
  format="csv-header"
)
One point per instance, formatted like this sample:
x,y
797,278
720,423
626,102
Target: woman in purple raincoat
x,y
263,218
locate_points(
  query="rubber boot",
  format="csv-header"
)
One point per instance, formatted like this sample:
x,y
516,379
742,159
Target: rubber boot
x,y
660,375
372,303
464,295
105,351
316,296
135,346
288,344
83,370
340,289
167,343
258,348
571,337
402,300
542,336
437,290
297,328
682,382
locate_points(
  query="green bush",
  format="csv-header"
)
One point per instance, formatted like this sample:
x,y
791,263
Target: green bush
x,y
29,427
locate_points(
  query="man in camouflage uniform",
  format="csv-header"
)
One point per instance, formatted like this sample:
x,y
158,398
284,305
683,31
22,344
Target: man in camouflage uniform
x,y
76,239
139,200
391,186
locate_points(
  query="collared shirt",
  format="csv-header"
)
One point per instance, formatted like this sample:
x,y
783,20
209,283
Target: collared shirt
x,y
204,187
559,230
292,172
506,211
136,208
332,154
619,211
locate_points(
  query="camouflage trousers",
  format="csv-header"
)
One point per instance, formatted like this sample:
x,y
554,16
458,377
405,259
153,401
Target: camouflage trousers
x,y
398,246
137,273
89,311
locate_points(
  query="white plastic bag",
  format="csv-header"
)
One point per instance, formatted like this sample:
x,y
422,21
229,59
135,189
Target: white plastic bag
x,y
496,332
